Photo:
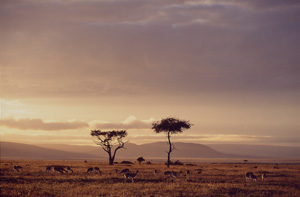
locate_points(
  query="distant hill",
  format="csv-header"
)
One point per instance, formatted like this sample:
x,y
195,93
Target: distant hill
x,y
158,149
258,150
183,150
69,148
68,152
11,150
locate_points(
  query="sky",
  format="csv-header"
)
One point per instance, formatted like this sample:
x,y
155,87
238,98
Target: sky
x,y
230,67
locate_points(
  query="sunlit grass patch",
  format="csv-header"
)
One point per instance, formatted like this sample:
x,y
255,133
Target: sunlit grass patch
x,y
214,179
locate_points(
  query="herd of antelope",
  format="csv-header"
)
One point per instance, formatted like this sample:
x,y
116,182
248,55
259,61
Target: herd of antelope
x,y
250,177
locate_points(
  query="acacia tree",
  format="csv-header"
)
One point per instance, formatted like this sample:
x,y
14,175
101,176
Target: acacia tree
x,y
140,160
170,126
108,139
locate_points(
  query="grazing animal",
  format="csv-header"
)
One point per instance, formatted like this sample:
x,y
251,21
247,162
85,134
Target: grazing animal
x,y
253,177
263,176
96,169
248,176
17,168
60,169
93,169
166,173
48,168
69,169
199,171
174,174
130,176
89,170
171,174
155,172
126,170
187,174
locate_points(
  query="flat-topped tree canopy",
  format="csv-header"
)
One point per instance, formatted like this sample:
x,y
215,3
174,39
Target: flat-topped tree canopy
x,y
109,134
107,140
171,125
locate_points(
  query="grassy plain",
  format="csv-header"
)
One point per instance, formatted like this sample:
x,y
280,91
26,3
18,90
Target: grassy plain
x,y
214,180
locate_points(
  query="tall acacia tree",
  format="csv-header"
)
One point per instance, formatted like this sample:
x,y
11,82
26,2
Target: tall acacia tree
x,y
170,126
108,139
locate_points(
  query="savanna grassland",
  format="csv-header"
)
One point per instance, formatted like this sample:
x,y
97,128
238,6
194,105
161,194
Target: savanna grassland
x,y
214,180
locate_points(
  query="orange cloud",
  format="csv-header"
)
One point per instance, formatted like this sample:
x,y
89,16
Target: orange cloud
x,y
130,123
38,124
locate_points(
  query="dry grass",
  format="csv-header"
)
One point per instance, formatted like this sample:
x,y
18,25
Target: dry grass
x,y
215,180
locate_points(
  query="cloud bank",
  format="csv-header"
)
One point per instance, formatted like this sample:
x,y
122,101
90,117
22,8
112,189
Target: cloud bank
x,y
130,123
108,48
39,124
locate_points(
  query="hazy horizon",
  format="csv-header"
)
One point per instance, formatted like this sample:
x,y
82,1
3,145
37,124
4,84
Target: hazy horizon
x,y
35,143
175,140
229,67
152,150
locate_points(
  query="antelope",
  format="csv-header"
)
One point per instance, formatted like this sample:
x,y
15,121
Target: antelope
x,y
187,174
126,170
199,171
263,176
69,169
174,175
248,176
89,170
59,169
171,174
93,169
48,168
130,176
97,169
167,173
17,168
253,177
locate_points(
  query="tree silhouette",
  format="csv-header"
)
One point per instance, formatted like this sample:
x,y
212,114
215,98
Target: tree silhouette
x,y
140,160
170,126
108,139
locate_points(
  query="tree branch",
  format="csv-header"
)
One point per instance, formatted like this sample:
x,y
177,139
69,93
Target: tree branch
x,y
108,139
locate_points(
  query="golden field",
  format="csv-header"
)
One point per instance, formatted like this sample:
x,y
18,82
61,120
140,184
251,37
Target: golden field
x,y
214,180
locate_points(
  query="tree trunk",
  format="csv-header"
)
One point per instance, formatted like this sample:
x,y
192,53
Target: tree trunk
x,y
110,158
170,150
111,161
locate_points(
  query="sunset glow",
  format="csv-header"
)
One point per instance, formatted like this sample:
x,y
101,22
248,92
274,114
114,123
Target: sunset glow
x,y
229,67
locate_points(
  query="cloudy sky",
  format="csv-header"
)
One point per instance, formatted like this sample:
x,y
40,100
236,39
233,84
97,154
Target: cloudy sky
x,y
230,67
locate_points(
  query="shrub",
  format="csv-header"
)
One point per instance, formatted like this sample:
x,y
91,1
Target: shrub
x,y
140,160
178,163
190,164
126,162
